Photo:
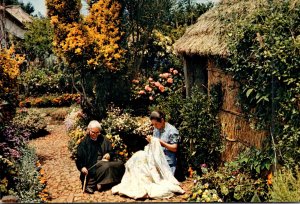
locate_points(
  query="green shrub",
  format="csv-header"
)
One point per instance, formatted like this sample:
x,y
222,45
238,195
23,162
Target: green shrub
x,y
200,130
59,114
172,107
30,120
264,58
286,186
29,185
230,186
38,81
7,177
252,161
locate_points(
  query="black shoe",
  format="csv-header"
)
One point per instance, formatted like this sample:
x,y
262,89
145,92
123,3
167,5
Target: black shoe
x,y
89,190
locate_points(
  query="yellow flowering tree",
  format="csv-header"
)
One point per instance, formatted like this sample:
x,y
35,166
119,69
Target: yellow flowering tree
x,y
9,71
89,45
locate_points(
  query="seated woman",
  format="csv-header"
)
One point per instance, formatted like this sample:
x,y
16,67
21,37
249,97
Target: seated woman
x,y
94,156
168,137
149,172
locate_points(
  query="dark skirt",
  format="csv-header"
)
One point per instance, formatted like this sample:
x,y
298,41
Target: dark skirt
x,y
106,173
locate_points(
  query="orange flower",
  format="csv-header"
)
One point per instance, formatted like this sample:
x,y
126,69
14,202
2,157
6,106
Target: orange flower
x,y
121,153
269,181
161,88
170,80
190,170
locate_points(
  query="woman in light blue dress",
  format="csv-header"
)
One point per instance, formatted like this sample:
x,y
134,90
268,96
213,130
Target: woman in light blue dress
x,y
168,137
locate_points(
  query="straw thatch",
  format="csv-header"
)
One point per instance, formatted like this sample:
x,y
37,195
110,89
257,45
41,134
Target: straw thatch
x,y
206,37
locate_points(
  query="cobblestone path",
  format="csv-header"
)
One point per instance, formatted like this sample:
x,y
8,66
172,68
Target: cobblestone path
x,y
62,176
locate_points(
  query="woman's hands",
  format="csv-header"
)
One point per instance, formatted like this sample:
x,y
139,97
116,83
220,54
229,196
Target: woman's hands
x,y
148,138
106,157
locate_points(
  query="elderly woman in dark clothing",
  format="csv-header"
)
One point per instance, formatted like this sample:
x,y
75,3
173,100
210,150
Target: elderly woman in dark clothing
x,y
94,155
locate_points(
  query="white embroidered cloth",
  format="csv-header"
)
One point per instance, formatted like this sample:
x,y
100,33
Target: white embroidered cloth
x,y
148,173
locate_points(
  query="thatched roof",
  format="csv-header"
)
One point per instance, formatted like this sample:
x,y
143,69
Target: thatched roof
x,y
17,12
206,37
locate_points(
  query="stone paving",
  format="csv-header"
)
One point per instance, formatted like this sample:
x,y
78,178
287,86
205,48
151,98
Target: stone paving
x,y
62,176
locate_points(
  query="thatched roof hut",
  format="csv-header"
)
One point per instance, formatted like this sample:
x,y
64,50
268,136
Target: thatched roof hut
x,y
206,36
14,18
200,46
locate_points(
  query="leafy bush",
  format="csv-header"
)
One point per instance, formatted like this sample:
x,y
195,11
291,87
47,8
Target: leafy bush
x,y
7,177
37,81
19,175
76,136
172,107
253,162
59,114
51,101
11,140
230,186
30,181
29,120
285,186
264,58
200,129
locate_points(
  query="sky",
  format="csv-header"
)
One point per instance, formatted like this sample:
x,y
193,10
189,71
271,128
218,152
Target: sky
x,y
40,7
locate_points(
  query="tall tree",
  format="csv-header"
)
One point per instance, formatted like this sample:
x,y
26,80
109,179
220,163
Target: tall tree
x,y
90,45
38,39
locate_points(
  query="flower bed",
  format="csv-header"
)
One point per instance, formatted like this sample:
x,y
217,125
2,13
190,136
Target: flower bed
x,y
51,101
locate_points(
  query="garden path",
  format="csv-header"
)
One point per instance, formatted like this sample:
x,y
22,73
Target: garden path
x,y
62,176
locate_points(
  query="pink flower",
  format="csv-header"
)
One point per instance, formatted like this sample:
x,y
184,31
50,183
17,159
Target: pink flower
x,y
135,81
175,72
151,98
161,88
142,92
170,80
148,88
165,75
171,70
157,84
150,79
160,75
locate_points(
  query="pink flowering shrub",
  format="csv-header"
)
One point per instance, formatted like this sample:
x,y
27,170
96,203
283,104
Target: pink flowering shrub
x,y
157,86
